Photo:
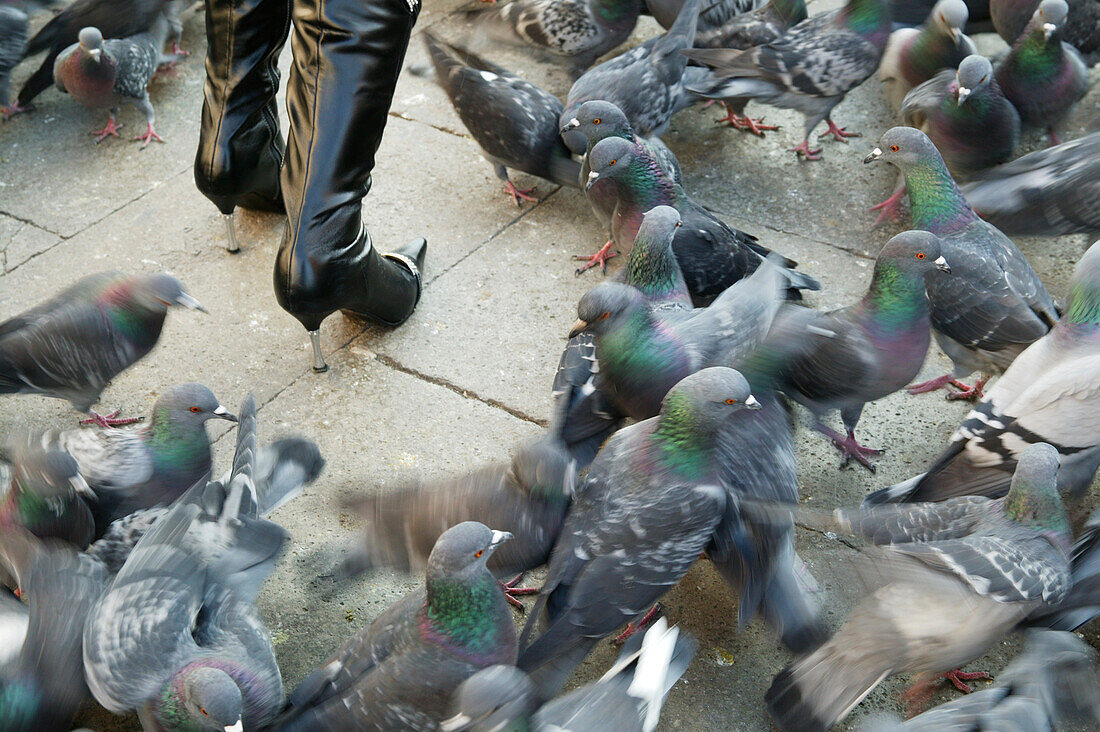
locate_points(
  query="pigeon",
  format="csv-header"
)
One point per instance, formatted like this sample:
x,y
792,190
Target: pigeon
x,y
627,698
915,12
646,83
1049,394
713,13
649,505
514,122
44,493
1081,29
42,680
13,37
751,28
810,68
1052,682
1042,75
915,55
401,670
711,254
845,358
961,575
579,30
1045,193
113,18
1082,604
644,352
993,305
176,636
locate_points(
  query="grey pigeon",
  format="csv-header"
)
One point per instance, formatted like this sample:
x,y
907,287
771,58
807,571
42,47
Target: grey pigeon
x,y
711,254
646,83
715,12
401,670
1082,604
961,575
993,305
41,670
177,637
1045,193
1043,76
72,345
914,12
13,37
1049,394
43,492
580,30
513,121
627,698
1052,682
914,55
810,68
1081,29
848,357
103,74
750,28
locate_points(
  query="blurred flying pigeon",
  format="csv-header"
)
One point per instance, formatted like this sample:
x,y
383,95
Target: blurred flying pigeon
x,y
1043,76
993,305
580,30
711,254
1046,193
1050,393
41,671
72,345
810,68
43,492
914,55
961,575
13,37
177,637
401,670
113,18
1081,29
848,357
646,83
514,122
102,74
1082,604
627,698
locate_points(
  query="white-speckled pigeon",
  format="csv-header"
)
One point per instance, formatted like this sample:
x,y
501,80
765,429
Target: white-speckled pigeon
x,y
993,305
914,55
401,670
961,574
665,12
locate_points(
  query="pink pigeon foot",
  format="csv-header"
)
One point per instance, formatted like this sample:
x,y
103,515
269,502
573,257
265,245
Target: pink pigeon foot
x,y
890,209
179,51
599,258
518,193
958,679
110,420
11,110
110,130
632,628
969,393
804,150
850,449
511,592
1054,138
942,382
746,123
149,136
839,133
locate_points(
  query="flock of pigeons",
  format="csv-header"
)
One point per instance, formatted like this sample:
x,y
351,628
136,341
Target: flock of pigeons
x,y
129,575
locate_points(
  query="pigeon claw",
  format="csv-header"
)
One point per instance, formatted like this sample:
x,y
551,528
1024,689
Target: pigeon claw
x,y
839,133
969,393
632,628
109,130
958,679
110,420
599,258
849,447
890,209
746,123
511,592
179,51
804,151
11,110
520,193
149,136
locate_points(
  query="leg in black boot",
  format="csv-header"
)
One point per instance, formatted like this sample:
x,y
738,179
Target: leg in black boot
x,y
347,56
240,148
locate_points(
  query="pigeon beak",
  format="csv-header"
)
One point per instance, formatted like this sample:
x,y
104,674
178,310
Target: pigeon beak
x,y
238,727
579,327
873,155
225,414
81,486
571,125
95,53
499,537
1048,30
752,403
455,723
185,300
942,265
963,94
593,176
955,33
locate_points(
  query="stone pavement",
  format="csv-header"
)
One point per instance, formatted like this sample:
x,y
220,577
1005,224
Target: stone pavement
x,y
468,376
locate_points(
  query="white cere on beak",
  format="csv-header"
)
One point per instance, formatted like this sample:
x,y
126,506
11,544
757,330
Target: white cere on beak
x,y
574,123
221,410
1048,30
942,264
593,175
457,722
238,727
499,537
963,94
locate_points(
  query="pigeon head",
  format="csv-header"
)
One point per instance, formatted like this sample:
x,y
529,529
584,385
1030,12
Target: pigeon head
x,y
1048,17
190,404
951,16
597,120
209,699
52,473
494,698
462,550
91,41
610,158
702,402
546,469
915,253
605,307
1033,498
974,73
904,147
164,291
1084,289
660,224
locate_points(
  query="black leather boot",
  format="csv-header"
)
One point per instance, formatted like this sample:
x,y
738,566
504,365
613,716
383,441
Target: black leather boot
x,y
347,56
240,148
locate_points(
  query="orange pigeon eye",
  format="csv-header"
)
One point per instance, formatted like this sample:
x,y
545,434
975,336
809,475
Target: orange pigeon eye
x,y
605,315
920,255
479,553
203,712
596,121
731,401
196,409
894,148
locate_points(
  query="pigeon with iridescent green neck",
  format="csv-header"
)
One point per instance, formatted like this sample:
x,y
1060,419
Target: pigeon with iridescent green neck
x,y
72,345
845,358
1050,393
914,55
400,671
962,574
1081,29
993,305
43,492
1043,76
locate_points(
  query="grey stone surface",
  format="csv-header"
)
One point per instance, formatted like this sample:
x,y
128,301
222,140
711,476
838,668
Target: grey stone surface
x,y
468,376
